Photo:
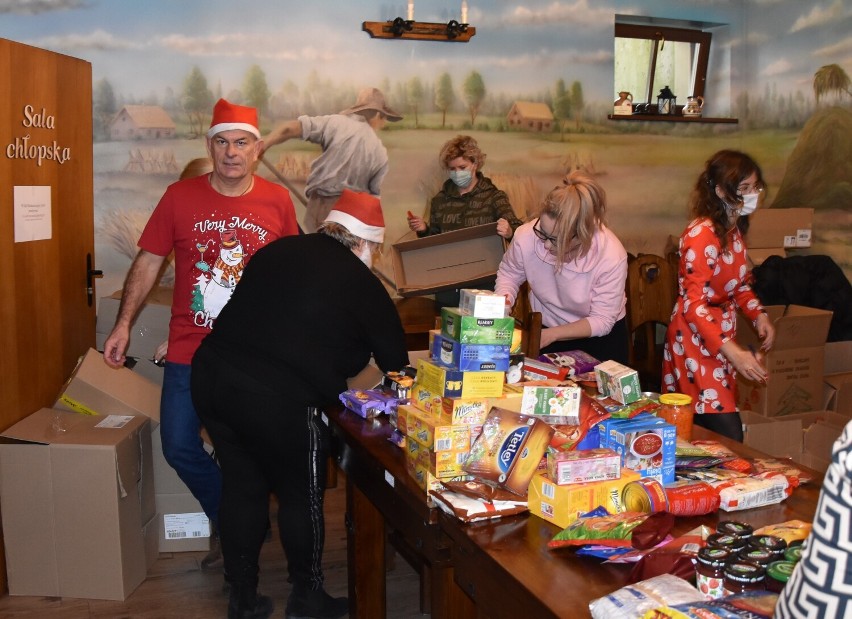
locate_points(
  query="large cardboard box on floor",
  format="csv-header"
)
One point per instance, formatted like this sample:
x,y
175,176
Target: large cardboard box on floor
x,y
78,503
837,386
466,258
780,228
795,362
151,327
94,388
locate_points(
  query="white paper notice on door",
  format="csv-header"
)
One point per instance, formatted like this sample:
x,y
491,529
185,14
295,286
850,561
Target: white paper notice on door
x,y
32,213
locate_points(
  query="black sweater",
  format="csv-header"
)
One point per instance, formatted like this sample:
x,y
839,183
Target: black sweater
x,y
306,315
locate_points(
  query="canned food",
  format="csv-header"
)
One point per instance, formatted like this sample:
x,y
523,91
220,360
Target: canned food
x,y
644,495
793,553
726,540
775,545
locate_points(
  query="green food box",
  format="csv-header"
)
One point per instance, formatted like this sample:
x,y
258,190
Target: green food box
x,y
472,330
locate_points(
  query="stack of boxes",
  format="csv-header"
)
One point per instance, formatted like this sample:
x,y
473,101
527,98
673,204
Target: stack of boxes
x,y
451,395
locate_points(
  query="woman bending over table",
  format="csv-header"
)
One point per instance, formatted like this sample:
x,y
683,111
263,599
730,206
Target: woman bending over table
x,y
576,269
700,356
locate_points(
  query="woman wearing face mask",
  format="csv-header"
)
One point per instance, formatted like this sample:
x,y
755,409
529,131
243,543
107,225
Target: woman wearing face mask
x,y
467,198
576,269
701,358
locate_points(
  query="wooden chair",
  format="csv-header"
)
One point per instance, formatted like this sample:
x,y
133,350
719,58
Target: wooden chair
x,y
651,290
528,321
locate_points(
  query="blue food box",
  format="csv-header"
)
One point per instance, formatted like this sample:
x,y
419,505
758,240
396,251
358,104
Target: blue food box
x,y
473,357
646,446
474,330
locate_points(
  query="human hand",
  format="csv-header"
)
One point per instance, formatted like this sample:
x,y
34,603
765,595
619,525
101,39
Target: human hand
x,y
504,229
115,347
416,223
748,363
766,332
160,353
548,336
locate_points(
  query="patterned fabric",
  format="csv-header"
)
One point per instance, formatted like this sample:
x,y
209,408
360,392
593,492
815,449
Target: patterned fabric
x,y
484,204
712,285
821,584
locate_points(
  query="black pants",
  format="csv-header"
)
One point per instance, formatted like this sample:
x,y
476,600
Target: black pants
x,y
726,424
612,346
264,444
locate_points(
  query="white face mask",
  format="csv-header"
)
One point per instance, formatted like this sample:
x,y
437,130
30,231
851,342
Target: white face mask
x,y
461,178
366,255
749,204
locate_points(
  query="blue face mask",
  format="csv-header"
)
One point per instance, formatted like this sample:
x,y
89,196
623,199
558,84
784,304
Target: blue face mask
x,y
461,178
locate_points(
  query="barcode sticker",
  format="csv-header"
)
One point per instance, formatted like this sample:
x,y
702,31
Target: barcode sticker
x,y
182,526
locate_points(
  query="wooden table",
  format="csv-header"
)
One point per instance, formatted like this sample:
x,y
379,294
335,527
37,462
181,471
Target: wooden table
x,y
493,569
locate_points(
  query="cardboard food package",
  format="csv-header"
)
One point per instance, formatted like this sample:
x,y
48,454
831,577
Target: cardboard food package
x,y
465,258
78,504
774,231
795,363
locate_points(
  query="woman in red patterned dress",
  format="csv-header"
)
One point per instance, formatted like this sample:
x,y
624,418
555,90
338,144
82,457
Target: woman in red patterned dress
x,y
701,358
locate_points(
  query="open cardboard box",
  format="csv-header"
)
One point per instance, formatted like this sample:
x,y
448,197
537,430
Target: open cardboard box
x,y
466,258
838,378
78,504
783,228
795,362
150,328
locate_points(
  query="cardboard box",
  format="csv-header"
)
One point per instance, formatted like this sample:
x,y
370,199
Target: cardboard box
x,y
618,381
151,327
561,505
97,389
449,383
482,303
175,502
78,501
472,357
837,387
471,329
431,431
795,363
466,258
780,228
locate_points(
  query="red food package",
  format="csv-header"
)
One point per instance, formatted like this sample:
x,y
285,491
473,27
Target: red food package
x,y
676,558
567,438
733,462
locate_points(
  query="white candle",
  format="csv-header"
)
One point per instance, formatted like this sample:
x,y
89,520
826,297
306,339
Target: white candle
x,y
410,10
464,12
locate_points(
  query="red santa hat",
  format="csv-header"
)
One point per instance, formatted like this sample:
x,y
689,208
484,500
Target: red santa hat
x,y
361,214
228,116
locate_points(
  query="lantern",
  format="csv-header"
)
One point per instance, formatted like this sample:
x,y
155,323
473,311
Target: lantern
x,y
666,102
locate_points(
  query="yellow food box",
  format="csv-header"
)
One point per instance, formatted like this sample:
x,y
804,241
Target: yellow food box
x,y
562,505
433,432
449,383
441,464
460,411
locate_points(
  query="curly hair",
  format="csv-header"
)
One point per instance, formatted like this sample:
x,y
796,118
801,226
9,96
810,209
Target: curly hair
x,y
462,146
726,170
578,208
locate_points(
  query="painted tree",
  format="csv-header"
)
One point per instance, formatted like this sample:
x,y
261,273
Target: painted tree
x,y
444,96
255,90
474,93
831,78
577,102
561,106
413,95
104,106
196,100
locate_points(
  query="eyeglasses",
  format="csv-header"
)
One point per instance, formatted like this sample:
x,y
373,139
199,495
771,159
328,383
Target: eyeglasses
x,y
542,235
747,190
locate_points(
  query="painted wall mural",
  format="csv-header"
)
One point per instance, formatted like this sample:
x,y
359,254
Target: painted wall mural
x,y
780,66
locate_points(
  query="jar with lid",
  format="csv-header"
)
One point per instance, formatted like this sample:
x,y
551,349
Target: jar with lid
x,y
676,409
710,571
793,553
742,576
777,575
775,545
761,556
730,542
733,527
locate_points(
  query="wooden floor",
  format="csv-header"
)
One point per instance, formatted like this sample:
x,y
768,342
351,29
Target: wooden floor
x,y
176,588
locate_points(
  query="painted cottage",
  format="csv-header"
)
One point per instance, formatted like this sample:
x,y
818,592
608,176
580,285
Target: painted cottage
x,y
530,116
141,122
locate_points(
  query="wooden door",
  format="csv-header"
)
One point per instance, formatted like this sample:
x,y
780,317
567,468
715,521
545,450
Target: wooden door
x,y
47,316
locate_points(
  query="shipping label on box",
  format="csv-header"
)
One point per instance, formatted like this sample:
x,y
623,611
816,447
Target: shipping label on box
x,y
618,381
447,382
475,330
562,505
482,303
781,227
474,357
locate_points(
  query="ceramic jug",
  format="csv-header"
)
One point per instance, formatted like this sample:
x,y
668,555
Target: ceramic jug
x,y
693,106
623,106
